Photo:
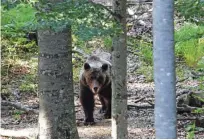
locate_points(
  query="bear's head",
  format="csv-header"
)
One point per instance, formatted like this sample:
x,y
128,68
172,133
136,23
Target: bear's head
x,y
96,76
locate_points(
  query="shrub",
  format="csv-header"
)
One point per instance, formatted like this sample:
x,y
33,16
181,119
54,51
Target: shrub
x,y
189,44
191,10
18,20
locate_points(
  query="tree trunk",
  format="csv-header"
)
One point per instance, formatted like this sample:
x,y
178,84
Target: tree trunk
x,y
57,112
119,72
164,69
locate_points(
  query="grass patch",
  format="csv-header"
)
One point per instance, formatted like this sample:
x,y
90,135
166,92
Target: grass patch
x,y
143,49
147,71
191,51
189,31
190,45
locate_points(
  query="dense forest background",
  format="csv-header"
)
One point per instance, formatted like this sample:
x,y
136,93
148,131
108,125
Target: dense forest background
x,y
93,26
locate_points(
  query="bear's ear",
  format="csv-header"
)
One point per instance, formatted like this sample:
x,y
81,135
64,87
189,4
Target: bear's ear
x,y
104,67
86,66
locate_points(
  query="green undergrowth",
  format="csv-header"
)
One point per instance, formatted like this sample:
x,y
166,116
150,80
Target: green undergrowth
x,y
144,51
189,51
147,71
18,65
17,20
182,71
190,45
192,127
191,10
77,64
29,80
19,74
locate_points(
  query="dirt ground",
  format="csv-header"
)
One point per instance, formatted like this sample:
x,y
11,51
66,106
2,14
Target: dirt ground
x,y
140,118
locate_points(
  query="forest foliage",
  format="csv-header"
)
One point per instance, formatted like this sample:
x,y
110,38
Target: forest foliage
x,y
93,25
92,22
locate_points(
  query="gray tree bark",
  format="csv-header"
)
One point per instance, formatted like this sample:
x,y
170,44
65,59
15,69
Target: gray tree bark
x,y
119,72
164,69
57,112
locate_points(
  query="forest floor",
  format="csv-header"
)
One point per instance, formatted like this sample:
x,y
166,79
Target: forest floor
x,y
19,124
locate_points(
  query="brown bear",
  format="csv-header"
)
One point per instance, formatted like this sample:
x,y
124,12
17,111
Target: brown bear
x,y
95,79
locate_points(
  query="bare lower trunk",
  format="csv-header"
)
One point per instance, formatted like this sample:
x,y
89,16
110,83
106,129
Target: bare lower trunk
x,y
56,114
119,68
164,69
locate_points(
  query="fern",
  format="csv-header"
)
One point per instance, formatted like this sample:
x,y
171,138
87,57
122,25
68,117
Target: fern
x,y
18,19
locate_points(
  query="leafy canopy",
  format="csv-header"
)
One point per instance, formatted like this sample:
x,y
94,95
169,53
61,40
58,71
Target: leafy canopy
x,y
86,18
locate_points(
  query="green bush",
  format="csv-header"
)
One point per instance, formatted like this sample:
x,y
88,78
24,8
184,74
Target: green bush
x,y
191,10
189,31
189,44
16,21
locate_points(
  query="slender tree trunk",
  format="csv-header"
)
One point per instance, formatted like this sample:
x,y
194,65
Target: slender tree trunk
x,y
119,70
164,69
57,113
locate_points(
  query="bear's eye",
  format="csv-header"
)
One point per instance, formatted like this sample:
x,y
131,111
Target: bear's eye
x,y
104,67
92,77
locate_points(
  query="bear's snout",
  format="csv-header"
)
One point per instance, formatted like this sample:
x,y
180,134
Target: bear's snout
x,y
95,86
95,89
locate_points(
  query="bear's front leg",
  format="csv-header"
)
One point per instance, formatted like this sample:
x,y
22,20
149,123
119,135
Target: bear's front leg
x,y
107,114
87,102
88,107
89,120
103,108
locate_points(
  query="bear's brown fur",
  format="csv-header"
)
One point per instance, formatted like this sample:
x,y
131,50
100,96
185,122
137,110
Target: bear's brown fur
x,y
95,79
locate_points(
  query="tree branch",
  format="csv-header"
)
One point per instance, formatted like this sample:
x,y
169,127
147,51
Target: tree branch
x,y
186,108
138,100
139,107
19,106
80,53
182,109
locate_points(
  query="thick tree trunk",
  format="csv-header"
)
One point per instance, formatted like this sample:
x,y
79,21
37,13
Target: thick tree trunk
x,y
164,69
57,113
119,68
